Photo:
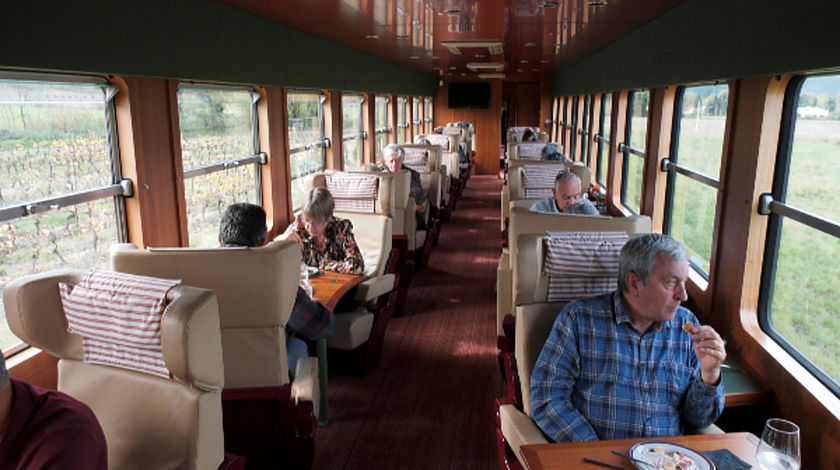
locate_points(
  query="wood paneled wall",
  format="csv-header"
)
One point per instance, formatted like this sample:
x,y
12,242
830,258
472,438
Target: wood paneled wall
x,y
488,125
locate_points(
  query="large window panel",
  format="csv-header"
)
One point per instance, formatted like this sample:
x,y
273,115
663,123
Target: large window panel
x,y
306,138
603,138
402,121
634,150
353,148
801,285
427,116
219,149
383,129
415,116
60,198
696,148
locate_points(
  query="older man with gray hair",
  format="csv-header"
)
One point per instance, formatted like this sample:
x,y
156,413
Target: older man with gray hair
x,y
46,429
565,197
630,363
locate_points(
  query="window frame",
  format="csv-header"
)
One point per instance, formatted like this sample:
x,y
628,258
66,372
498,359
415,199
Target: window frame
x,y
358,134
626,149
427,115
386,129
323,143
603,140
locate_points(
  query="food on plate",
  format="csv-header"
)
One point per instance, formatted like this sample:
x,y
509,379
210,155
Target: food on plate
x,y
668,459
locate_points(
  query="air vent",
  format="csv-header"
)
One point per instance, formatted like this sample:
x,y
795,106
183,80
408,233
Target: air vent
x,y
454,47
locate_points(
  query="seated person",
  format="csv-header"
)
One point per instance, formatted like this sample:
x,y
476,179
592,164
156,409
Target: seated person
x,y
551,153
529,135
630,363
326,241
393,155
566,197
46,429
243,224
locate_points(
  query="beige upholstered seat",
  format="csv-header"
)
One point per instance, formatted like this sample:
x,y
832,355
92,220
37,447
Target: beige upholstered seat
x,y
149,421
255,288
514,190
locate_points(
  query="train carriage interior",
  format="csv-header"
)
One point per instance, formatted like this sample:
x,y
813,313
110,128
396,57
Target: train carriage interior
x,y
127,129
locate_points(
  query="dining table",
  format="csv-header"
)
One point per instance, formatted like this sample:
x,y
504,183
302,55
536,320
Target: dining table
x,y
328,288
570,455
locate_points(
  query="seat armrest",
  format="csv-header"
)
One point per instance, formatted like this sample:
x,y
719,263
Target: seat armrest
x,y
372,288
305,386
519,429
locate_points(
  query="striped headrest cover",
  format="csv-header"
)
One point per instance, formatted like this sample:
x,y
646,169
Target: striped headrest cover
x,y
451,130
531,150
582,264
518,132
440,140
118,317
416,158
354,192
538,180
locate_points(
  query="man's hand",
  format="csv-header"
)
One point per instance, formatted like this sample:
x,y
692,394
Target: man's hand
x,y
710,350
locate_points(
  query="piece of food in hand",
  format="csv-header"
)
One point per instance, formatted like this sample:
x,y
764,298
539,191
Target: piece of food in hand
x,y
688,326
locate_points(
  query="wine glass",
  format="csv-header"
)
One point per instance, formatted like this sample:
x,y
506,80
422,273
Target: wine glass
x,y
779,446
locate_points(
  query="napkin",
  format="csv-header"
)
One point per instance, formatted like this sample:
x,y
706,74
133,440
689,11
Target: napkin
x,y
725,460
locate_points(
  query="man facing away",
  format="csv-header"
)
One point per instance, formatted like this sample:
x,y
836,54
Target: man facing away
x,y
243,224
631,363
565,197
44,429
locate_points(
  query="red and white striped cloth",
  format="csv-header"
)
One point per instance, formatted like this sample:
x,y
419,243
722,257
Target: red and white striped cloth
x,y
440,140
538,180
354,192
517,132
582,264
416,158
531,150
118,317
451,130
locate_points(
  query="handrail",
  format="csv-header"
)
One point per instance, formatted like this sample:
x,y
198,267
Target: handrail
x,y
622,147
355,135
601,138
767,205
123,188
325,143
259,158
383,130
668,165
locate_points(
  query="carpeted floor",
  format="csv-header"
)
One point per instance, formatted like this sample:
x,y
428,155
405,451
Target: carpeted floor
x,y
429,404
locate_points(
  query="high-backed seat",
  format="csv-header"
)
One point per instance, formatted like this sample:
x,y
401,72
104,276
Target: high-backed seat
x,y
256,289
516,188
149,421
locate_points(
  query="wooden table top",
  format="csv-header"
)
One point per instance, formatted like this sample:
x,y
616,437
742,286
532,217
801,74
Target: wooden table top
x,y
569,455
329,287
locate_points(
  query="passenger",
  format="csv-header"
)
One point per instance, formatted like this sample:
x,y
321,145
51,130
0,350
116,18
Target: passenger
x,y
326,241
243,224
565,197
393,156
551,153
529,135
46,429
630,363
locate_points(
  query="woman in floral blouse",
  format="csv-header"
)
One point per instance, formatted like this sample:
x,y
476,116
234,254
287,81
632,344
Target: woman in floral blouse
x,y
325,241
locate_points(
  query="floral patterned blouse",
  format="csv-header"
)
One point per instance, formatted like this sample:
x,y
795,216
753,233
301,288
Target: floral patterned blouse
x,y
341,254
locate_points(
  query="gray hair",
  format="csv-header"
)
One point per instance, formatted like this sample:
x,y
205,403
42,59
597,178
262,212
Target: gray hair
x,y
639,255
563,176
394,149
4,373
319,203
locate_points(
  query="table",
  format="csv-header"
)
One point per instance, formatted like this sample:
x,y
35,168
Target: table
x,y
328,288
569,455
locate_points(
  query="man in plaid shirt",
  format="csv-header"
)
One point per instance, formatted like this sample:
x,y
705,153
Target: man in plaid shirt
x,y
631,363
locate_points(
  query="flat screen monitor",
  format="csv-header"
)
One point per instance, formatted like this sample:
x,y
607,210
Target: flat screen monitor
x,y
469,95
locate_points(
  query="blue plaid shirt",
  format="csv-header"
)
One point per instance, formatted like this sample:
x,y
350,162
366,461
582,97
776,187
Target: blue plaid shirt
x,y
597,377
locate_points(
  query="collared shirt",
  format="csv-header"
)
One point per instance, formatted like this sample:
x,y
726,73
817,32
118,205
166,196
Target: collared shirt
x,y
310,319
597,377
340,253
549,206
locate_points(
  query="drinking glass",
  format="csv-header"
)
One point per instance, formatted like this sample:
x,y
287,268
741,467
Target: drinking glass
x,y
779,446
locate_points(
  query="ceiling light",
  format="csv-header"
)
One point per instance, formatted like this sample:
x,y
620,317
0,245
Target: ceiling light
x,y
530,44
494,66
535,70
547,4
452,11
480,56
434,57
491,75
545,61
453,68
454,47
413,57
597,3
401,36
518,70
523,61
372,36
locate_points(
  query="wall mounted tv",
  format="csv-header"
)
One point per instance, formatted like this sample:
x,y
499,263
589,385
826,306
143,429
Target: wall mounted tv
x,y
474,95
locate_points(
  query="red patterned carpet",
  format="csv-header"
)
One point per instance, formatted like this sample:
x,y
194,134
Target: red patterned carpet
x,y
429,404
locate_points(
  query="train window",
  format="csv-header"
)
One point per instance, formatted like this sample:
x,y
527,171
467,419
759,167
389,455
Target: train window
x,y
220,154
694,169
382,127
583,130
306,138
354,135
60,193
799,294
415,116
402,120
603,137
633,149
427,115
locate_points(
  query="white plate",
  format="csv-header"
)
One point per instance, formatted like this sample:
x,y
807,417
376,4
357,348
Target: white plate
x,y
312,270
647,448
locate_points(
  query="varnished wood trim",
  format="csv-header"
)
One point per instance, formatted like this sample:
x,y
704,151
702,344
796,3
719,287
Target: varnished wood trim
x,y
272,118
333,130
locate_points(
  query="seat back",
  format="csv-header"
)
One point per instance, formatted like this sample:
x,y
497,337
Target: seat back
x,y
430,175
373,234
255,288
149,421
449,151
514,133
384,199
518,183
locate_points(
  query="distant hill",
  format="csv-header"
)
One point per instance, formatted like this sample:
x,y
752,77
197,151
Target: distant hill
x,y
823,85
